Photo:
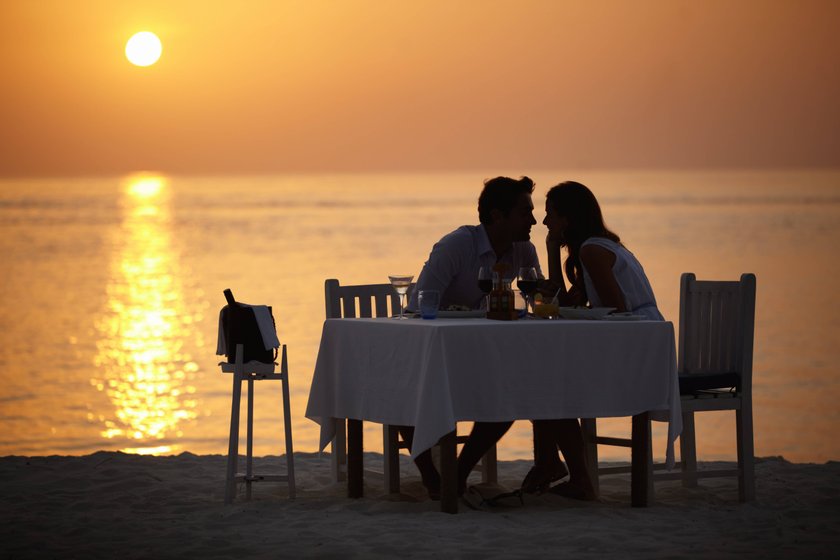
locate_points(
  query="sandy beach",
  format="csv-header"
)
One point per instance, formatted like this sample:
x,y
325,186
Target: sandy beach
x,y
117,505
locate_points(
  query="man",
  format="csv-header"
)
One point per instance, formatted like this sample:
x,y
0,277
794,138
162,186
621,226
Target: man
x,y
506,213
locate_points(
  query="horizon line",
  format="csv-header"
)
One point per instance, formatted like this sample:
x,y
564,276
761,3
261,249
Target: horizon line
x,y
421,171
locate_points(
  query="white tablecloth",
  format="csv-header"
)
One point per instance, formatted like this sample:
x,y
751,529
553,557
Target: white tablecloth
x,y
432,374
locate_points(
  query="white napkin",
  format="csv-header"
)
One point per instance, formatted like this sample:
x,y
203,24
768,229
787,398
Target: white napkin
x,y
266,324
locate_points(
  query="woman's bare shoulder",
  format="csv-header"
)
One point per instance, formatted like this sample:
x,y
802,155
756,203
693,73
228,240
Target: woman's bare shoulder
x,y
592,255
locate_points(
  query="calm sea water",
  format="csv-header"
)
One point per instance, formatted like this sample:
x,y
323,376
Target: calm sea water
x,y
112,287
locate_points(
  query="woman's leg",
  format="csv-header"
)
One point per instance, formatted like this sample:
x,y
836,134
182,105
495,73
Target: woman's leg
x,y
428,472
483,436
547,467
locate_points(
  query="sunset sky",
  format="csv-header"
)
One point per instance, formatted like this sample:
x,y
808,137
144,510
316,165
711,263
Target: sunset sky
x,y
263,86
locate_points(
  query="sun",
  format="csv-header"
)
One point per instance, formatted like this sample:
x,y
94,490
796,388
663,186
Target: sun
x,y
143,49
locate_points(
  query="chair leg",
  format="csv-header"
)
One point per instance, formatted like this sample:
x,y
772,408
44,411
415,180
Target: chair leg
x,y
233,440
489,467
249,441
287,423
589,427
746,453
688,451
391,450
338,451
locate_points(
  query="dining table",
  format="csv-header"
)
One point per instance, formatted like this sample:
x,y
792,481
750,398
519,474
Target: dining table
x,y
432,374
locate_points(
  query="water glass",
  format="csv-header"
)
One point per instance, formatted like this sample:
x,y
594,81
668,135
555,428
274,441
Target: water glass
x,y
429,301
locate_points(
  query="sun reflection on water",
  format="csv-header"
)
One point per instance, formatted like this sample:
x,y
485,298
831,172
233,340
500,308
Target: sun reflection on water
x,y
142,364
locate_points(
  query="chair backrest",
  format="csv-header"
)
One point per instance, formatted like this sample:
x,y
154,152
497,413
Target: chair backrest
x,y
367,300
717,322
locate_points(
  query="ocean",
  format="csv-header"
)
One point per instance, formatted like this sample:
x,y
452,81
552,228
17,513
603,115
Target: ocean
x,y
112,288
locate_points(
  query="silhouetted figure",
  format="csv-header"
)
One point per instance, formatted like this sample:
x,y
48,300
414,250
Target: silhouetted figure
x,y
603,273
506,213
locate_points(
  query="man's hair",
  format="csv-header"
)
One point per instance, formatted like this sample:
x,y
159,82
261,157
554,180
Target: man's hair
x,y
501,193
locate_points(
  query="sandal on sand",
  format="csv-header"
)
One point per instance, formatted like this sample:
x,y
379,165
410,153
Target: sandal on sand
x,y
569,490
472,498
539,478
508,499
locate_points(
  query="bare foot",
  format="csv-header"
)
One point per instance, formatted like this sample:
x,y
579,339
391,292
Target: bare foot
x,y
433,488
431,480
574,491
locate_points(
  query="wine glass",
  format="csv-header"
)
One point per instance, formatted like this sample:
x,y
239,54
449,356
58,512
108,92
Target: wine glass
x,y
401,285
526,281
485,282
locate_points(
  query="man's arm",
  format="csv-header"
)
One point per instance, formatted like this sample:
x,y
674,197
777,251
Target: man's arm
x,y
443,264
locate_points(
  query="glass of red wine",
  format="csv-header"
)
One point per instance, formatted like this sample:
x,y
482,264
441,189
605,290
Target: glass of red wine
x,y
485,282
526,281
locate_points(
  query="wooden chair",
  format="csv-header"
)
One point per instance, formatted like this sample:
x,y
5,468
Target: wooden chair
x,y
250,372
714,362
378,300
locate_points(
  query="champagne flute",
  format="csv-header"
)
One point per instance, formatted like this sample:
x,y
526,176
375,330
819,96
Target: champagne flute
x,y
526,281
401,285
485,282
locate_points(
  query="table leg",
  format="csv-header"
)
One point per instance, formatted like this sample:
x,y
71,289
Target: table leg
x,y
641,489
355,470
490,467
448,473
391,449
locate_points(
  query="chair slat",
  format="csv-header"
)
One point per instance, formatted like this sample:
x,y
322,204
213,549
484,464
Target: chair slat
x,y
718,350
721,329
349,305
364,306
382,305
704,331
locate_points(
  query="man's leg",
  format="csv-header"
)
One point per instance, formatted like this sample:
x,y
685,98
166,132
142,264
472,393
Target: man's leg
x,y
545,446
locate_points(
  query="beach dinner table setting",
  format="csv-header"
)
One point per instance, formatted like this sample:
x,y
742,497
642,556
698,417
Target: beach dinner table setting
x,y
431,374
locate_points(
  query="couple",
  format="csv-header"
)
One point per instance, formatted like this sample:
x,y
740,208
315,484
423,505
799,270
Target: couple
x,y
600,271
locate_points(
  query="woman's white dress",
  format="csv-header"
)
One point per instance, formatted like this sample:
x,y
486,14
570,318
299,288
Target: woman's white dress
x,y
631,278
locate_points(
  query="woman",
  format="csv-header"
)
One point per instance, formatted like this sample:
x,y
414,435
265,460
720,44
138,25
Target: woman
x,y
602,272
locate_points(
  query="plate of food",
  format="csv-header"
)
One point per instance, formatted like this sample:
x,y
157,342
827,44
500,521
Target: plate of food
x,y
625,316
460,312
454,312
587,313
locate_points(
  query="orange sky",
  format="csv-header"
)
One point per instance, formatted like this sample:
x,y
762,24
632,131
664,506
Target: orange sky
x,y
351,85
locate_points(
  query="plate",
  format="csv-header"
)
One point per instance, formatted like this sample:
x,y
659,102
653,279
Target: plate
x,y
624,317
473,314
594,313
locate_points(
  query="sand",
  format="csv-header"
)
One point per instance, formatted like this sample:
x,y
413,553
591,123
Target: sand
x,y
113,505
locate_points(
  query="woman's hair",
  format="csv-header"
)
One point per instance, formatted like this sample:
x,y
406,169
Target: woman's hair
x,y
578,205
